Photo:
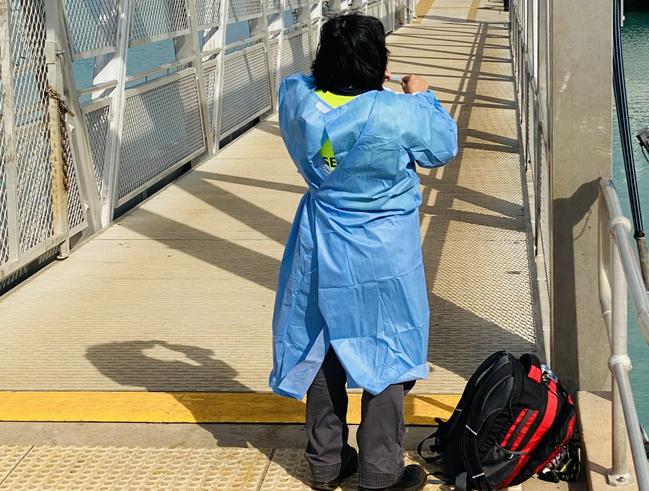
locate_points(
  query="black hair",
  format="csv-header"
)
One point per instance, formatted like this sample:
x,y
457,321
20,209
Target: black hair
x,y
351,55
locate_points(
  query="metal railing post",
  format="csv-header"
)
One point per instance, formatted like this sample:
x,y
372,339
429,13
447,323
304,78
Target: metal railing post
x,y
277,69
59,188
410,11
619,474
114,69
259,27
8,115
214,42
626,275
219,40
190,47
316,21
80,139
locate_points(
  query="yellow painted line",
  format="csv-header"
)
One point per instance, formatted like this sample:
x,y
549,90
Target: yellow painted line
x,y
473,10
421,9
191,407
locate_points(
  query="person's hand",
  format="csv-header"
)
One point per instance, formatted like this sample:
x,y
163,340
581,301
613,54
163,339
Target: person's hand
x,y
413,83
387,75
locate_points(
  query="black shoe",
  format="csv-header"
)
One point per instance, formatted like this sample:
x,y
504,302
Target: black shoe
x,y
349,469
412,479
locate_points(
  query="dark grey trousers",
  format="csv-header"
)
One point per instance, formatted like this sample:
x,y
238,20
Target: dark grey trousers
x,y
379,436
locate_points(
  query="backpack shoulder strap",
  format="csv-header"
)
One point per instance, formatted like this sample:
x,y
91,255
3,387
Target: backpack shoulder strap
x,y
474,473
474,476
469,390
434,447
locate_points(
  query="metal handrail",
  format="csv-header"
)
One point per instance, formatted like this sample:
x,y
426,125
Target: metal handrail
x,y
625,276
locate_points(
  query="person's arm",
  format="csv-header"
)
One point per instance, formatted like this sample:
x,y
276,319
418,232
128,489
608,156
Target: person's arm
x,y
429,134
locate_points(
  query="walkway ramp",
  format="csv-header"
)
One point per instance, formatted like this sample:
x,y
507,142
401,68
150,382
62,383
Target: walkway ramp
x,y
166,315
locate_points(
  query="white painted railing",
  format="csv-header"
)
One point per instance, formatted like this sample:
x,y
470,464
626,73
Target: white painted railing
x,y
619,276
128,129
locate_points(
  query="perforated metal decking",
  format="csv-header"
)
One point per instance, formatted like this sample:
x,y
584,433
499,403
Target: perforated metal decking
x,y
178,295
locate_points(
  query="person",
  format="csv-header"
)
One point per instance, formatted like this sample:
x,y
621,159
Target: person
x,y
351,306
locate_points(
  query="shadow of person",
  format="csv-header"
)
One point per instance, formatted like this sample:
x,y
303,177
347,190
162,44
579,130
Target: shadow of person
x,y
160,366
179,369
572,218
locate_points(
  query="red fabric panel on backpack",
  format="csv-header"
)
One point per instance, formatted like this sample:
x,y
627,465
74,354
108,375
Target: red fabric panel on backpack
x,y
535,374
546,423
524,430
548,418
512,428
571,428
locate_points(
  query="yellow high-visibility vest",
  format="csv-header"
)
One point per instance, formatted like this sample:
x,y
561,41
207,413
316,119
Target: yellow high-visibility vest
x,y
333,100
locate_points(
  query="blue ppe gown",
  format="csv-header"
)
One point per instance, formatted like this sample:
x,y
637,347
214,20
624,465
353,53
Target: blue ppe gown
x,y
352,276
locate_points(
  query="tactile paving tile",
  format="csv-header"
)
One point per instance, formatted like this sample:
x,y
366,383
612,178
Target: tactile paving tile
x,y
140,469
10,457
106,468
289,470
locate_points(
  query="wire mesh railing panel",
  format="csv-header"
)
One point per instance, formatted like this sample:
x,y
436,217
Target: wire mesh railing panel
x,y
210,75
97,124
274,50
388,16
33,185
295,4
373,10
239,10
155,18
76,213
246,88
543,215
208,12
162,127
92,24
296,54
158,123
4,205
315,36
33,171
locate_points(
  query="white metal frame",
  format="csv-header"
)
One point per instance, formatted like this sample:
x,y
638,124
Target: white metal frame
x,y
8,115
109,89
55,81
619,275
114,69
79,139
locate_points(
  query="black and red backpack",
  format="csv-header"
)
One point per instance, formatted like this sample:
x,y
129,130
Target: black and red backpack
x,y
513,420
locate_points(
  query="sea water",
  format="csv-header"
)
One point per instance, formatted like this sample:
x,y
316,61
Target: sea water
x,y
635,39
